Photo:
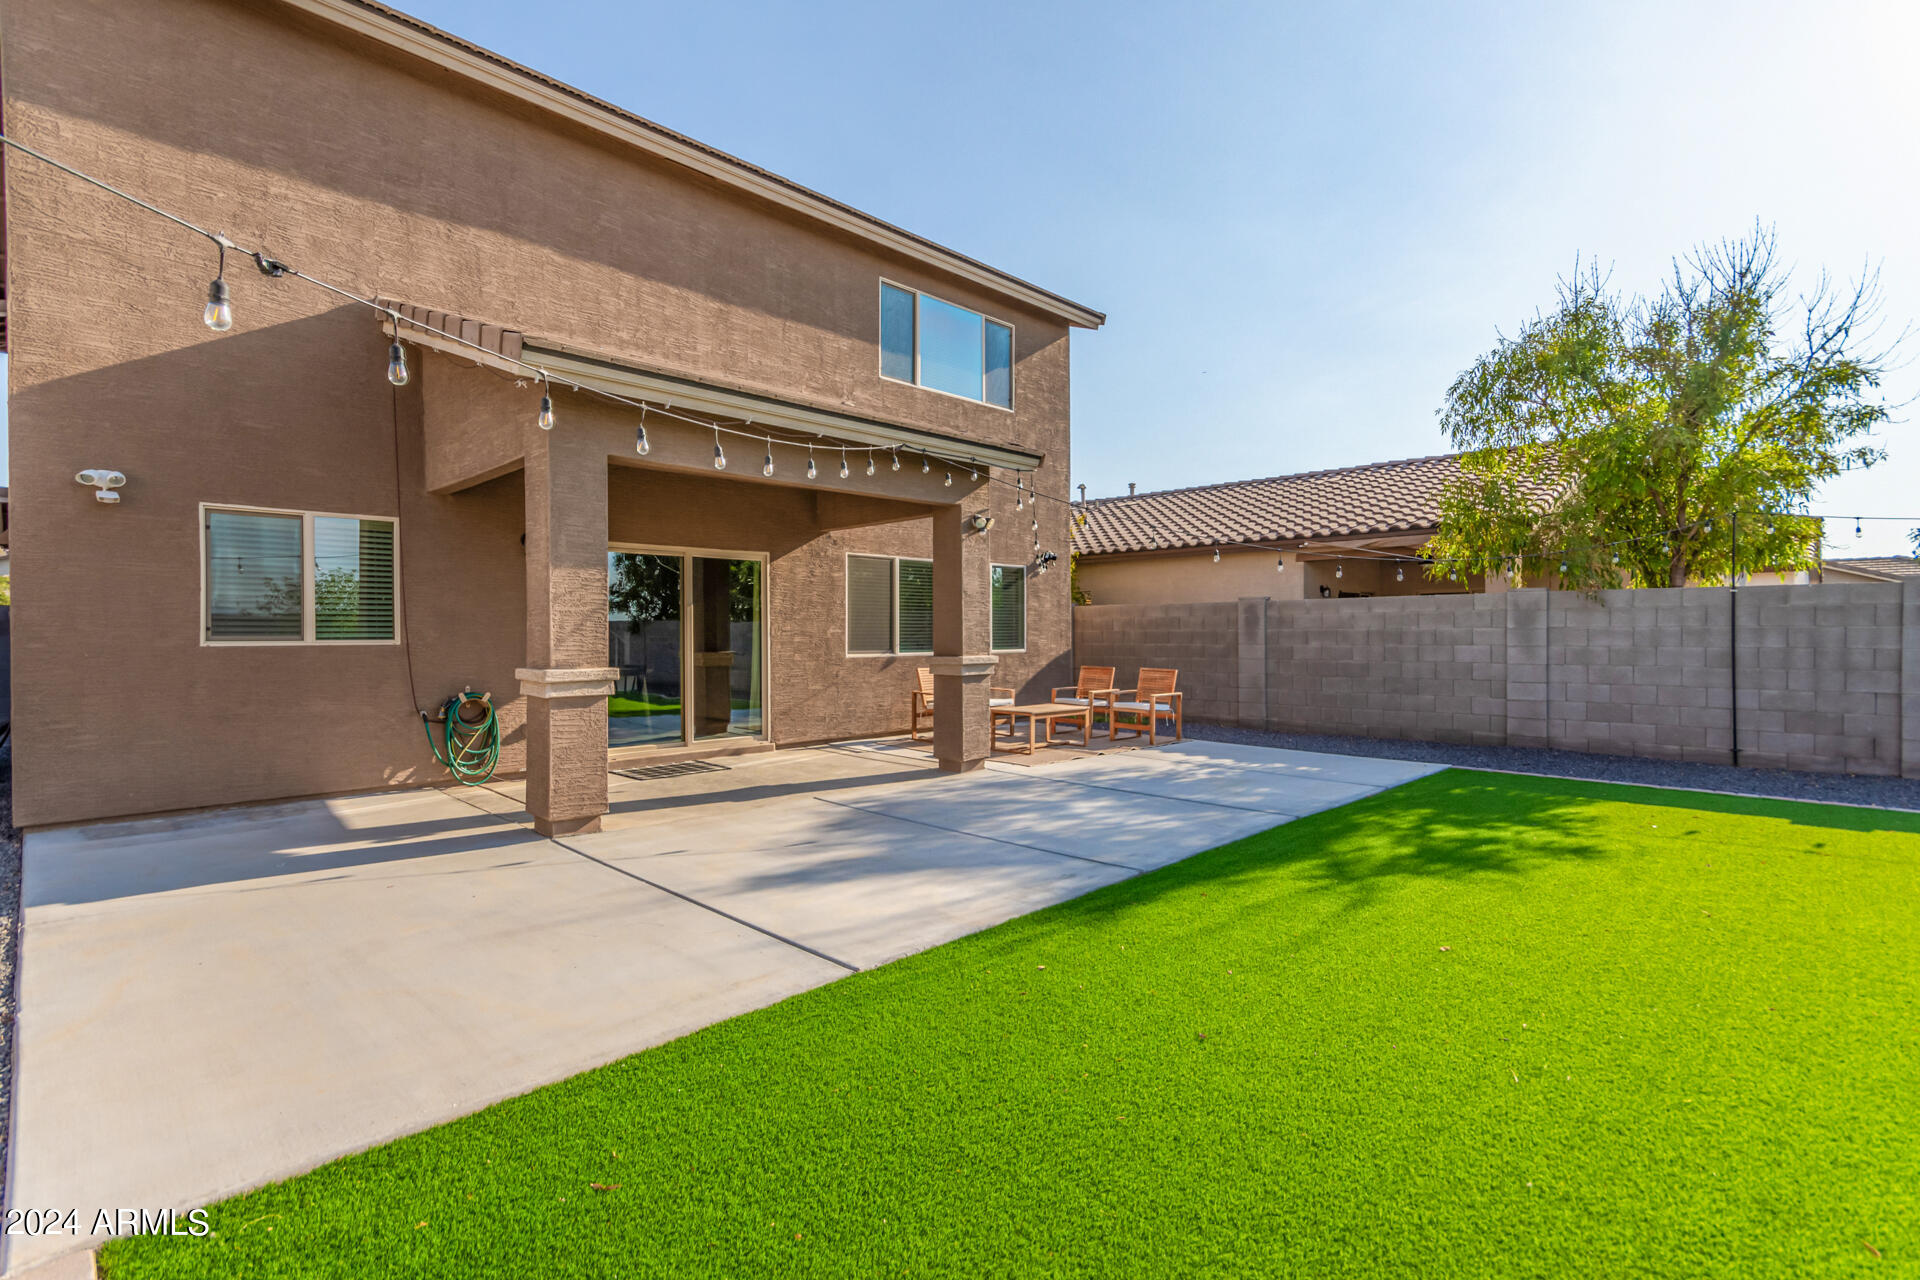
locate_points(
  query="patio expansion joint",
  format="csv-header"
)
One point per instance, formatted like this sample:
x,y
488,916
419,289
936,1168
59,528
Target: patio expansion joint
x,y
673,893
975,835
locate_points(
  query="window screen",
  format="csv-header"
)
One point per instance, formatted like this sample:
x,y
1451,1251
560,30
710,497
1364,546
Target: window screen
x,y
352,579
916,606
254,584
869,604
1009,606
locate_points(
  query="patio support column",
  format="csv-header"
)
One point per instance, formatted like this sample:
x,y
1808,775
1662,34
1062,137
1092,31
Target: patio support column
x,y
566,678
963,659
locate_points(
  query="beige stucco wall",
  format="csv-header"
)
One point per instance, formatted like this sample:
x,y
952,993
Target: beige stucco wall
x,y
397,179
1184,577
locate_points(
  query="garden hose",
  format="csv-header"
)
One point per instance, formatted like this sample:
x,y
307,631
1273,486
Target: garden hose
x,y
471,737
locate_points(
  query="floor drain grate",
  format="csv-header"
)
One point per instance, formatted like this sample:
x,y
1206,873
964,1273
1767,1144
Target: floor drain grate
x,y
677,769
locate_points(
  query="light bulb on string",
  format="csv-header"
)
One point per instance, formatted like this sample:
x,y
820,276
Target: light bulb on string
x,y
766,468
1019,493
949,479
843,464
976,472
218,315
719,454
397,364
1400,573
869,462
926,464
1216,555
896,459
1856,526
640,443
546,407
1280,564
1339,570
812,472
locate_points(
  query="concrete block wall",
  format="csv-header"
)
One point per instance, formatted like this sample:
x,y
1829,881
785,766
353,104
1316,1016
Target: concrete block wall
x,y
1827,677
1202,640
1427,667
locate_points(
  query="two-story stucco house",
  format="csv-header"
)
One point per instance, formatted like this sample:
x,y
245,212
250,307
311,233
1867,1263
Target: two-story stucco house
x,y
682,456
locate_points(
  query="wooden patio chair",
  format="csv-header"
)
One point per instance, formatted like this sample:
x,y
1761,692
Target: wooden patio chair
x,y
1154,697
922,705
1094,690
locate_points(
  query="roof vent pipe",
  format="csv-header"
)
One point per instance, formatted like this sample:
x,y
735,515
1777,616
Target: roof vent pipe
x,y
1083,493
1129,488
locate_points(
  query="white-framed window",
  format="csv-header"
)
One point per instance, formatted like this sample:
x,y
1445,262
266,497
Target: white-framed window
x,y
1009,607
296,577
889,605
946,348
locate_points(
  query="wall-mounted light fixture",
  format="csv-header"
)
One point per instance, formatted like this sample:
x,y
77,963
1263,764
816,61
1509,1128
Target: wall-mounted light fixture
x,y
103,483
979,522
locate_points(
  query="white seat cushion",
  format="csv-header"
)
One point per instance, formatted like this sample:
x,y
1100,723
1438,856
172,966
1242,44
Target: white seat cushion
x,y
1078,702
1143,706
999,702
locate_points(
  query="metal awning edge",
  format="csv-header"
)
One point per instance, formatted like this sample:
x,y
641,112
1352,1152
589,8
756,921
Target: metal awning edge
x,y
684,393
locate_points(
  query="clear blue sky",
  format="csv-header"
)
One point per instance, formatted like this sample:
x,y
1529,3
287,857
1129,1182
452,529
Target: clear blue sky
x,y
1302,220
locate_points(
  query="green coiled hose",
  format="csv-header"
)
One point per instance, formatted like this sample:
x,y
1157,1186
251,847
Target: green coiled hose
x,y
472,746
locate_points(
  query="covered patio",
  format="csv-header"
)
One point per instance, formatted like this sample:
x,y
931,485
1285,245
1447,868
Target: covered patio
x,y
627,470
210,1002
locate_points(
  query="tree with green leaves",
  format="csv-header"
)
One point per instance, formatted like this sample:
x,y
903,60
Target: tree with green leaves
x,y
1619,437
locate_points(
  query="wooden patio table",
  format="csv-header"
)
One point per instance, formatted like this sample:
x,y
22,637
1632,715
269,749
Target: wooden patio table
x,y
1038,713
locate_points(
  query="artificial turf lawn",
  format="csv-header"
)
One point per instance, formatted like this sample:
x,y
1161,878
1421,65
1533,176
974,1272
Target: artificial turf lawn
x,y
1478,1025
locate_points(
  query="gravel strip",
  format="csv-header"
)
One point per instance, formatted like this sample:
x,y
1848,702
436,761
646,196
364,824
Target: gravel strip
x,y
9,943
1782,784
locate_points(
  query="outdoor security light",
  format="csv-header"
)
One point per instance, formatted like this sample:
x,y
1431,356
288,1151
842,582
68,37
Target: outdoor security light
x,y
103,482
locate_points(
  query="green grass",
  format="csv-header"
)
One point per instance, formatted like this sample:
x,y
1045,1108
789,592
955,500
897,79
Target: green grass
x,y
1479,1025
627,704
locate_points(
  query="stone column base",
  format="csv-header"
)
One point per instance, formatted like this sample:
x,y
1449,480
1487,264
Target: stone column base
x,y
566,746
962,732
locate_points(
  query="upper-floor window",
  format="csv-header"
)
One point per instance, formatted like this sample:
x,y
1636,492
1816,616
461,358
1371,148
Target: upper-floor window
x,y
934,344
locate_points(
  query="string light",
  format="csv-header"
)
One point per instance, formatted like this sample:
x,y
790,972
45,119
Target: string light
x,y
811,472
949,479
1280,563
719,454
896,459
1339,570
869,462
976,472
1400,573
219,313
640,445
546,406
926,463
843,464
397,364
766,468
1019,494
1216,555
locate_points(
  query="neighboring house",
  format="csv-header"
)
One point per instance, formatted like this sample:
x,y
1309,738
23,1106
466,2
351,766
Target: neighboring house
x,y
1343,532
1349,531
302,553
1870,569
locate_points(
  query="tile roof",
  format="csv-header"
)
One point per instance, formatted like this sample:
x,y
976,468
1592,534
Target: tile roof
x,y
1879,566
1377,498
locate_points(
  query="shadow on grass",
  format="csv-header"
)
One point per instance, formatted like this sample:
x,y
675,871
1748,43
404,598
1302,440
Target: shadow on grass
x,y
1458,825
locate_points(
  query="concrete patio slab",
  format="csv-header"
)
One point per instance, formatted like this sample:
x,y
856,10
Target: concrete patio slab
x,y
1123,824
861,887
213,1001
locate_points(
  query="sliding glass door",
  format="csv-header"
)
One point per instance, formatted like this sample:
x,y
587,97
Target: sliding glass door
x,y
687,633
